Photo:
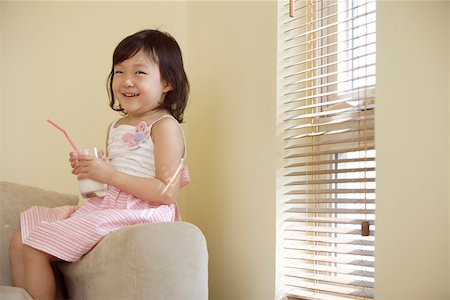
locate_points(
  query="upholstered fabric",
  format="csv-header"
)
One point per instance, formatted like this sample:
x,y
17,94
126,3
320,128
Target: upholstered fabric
x,y
149,261
13,293
15,198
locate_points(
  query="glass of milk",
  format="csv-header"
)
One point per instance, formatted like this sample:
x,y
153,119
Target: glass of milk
x,y
88,187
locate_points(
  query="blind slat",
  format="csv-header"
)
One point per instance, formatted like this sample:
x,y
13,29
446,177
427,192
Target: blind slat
x,y
340,290
326,249
330,279
340,111
334,122
329,181
317,229
326,220
329,152
323,136
329,211
331,171
334,192
334,138
295,264
327,200
321,239
349,262
296,294
331,162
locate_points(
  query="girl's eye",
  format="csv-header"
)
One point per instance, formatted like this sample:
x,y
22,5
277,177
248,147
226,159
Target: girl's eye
x,y
141,72
118,72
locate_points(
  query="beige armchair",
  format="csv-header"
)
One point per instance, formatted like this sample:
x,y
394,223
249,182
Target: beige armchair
x,y
150,261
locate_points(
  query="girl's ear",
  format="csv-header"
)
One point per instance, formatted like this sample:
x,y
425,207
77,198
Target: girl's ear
x,y
167,87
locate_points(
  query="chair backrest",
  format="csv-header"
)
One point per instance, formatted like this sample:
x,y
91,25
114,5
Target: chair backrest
x,y
15,198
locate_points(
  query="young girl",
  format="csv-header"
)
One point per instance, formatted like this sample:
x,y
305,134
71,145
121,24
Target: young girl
x,y
144,169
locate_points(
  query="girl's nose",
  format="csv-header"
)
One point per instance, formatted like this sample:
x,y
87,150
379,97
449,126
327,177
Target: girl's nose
x,y
128,83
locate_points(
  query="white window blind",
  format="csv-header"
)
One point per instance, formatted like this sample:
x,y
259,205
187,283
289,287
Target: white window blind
x,y
326,179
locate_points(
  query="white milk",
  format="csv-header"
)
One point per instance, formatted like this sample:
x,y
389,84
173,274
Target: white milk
x,y
89,187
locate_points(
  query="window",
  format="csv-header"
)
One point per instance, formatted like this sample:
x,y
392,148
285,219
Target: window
x,y
326,176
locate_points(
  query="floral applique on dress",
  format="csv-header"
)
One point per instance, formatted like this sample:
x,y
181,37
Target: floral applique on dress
x,y
134,140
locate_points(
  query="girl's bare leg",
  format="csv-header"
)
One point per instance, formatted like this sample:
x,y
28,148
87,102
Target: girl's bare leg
x,y
16,260
39,277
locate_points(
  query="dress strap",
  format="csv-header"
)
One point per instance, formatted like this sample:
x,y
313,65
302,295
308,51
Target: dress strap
x,y
112,125
159,119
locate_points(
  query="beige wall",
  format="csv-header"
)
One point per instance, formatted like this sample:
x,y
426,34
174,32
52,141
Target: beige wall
x,y
2,123
412,141
231,132
55,61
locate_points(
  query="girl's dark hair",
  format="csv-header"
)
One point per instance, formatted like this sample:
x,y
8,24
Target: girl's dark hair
x,y
164,50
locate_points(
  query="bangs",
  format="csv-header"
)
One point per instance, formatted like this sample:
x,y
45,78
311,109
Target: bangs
x,y
128,49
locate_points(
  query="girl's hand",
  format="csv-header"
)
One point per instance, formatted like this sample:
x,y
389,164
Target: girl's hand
x,y
73,159
98,169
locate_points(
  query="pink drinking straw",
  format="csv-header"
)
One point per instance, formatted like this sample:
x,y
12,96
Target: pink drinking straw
x,y
65,133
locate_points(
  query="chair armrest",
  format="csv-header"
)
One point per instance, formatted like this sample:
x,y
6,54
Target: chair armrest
x,y
13,293
147,261
15,198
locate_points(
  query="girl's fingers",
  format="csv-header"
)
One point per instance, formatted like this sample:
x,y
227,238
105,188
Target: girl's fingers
x,y
86,157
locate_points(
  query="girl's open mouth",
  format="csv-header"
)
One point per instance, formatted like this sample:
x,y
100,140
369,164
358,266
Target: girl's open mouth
x,y
129,95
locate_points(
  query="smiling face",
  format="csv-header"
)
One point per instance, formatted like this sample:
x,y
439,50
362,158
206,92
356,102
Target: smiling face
x,y
138,86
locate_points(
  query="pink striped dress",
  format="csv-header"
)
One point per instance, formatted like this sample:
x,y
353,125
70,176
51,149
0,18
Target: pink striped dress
x,y
68,232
